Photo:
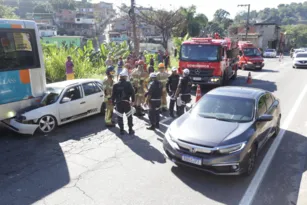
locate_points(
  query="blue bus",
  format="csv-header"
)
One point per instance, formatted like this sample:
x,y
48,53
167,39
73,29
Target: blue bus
x,y
22,70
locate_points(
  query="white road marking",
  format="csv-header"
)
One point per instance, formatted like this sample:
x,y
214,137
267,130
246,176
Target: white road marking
x,y
251,191
165,120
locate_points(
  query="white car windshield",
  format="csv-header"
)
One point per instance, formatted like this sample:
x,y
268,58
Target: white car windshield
x,y
301,55
226,108
51,95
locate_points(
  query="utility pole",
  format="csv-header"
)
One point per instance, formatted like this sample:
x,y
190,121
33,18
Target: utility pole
x,y
133,20
247,20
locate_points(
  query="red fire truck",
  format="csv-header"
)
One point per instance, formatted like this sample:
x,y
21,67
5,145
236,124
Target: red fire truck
x,y
210,61
250,56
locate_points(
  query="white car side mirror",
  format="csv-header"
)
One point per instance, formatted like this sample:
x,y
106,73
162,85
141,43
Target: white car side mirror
x,y
66,99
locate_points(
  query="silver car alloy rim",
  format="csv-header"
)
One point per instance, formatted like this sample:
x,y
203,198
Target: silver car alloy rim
x,y
47,124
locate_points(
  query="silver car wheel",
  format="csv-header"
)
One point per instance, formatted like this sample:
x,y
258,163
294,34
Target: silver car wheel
x,y
47,124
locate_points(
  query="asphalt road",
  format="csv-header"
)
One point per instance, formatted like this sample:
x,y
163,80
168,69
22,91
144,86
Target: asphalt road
x,y
85,163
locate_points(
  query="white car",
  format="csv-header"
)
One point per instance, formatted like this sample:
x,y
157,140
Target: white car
x,y
270,53
62,103
296,51
300,60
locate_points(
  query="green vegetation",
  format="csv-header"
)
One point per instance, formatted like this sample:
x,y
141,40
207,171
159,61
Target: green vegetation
x,y
88,62
284,14
7,12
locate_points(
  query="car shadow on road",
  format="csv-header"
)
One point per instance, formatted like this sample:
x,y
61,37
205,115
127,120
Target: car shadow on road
x,y
79,129
281,184
30,168
141,147
255,83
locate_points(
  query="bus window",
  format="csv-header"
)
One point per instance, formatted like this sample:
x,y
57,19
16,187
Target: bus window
x,y
18,50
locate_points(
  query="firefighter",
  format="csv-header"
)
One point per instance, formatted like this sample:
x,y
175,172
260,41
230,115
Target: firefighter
x,y
108,86
171,87
183,92
121,95
162,76
154,95
138,79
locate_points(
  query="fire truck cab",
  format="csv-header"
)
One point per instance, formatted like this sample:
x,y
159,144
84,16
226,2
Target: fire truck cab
x,y
210,61
249,56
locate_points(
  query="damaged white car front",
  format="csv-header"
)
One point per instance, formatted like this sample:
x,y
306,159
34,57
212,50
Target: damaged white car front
x,y
42,116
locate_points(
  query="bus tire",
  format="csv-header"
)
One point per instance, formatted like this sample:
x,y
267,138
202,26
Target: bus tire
x,y
47,124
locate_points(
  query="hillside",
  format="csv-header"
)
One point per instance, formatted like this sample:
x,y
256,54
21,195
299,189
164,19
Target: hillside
x,y
284,14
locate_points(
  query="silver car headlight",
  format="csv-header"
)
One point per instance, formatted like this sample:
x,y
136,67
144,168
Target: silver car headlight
x,y
170,139
231,148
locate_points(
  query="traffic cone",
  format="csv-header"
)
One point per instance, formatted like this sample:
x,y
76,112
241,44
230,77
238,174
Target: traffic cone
x,y
198,93
249,78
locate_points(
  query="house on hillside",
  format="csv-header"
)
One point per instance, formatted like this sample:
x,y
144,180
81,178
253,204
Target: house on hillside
x,y
263,35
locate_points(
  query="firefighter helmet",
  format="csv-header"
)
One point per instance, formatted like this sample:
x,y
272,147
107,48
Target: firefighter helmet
x,y
161,65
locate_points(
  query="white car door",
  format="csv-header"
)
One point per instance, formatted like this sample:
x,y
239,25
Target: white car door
x,y
72,105
93,97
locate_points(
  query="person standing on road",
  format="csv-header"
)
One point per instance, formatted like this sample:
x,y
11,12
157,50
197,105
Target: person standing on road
x,y
69,69
162,76
151,61
154,95
122,93
171,87
183,92
108,87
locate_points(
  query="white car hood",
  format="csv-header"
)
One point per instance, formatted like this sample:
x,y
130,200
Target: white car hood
x,y
39,112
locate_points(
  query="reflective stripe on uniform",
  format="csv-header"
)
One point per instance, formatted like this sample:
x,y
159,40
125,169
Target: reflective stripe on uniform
x,y
118,113
155,99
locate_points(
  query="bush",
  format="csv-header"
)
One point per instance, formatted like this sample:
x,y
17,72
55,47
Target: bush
x,y
88,63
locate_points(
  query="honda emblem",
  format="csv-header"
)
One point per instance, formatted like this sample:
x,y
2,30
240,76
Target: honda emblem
x,y
193,150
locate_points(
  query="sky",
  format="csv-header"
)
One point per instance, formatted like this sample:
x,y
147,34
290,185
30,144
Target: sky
x,y
206,7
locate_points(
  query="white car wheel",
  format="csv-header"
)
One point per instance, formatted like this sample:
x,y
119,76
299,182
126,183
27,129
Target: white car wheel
x,y
47,124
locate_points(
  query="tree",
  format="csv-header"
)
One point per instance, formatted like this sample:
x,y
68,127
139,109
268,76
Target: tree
x,y
297,34
7,12
164,20
193,23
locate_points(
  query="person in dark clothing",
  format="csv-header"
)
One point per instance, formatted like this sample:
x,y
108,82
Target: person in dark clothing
x,y
154,95
151,69
175,52
171,87
151,61
121,95
183,92
166,60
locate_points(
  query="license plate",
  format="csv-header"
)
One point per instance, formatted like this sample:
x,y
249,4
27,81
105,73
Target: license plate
x,y
258,66
197,78
192,160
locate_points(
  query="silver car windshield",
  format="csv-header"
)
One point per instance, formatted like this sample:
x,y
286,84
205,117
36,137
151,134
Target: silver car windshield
x,y
226,108
51,95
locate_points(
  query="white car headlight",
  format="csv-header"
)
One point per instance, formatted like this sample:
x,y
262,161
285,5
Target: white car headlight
x,y
171,140
231,148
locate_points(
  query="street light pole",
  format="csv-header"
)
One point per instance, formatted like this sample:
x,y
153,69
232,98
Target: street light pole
x,y
247,20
